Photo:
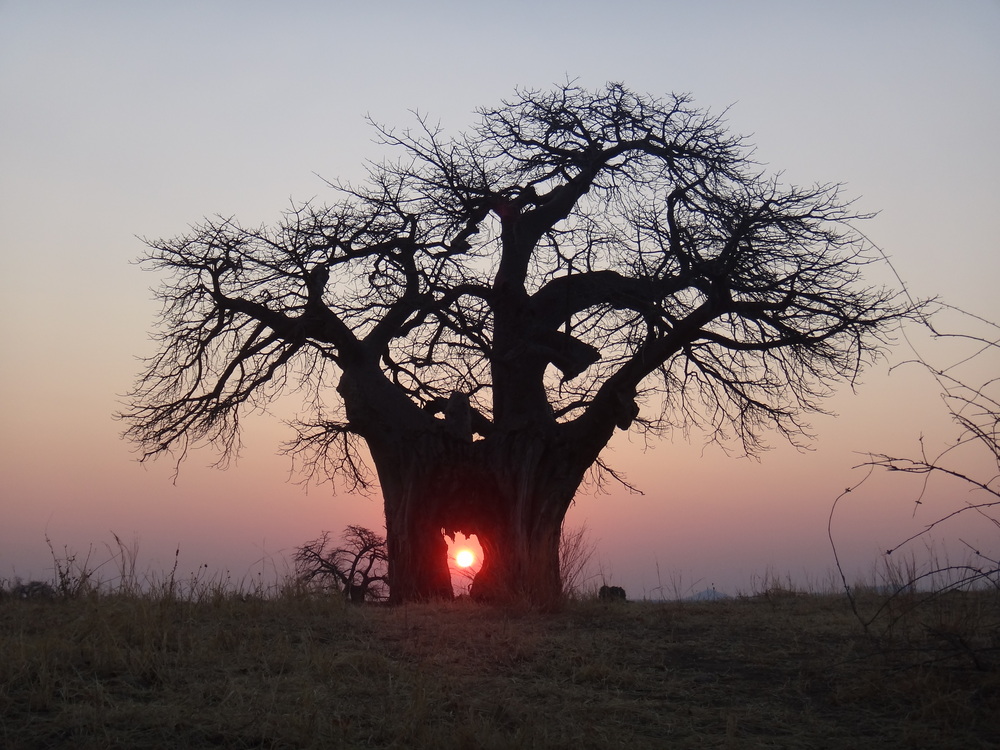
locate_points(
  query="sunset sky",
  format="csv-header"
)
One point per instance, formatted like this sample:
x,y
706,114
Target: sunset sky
x,y
121,120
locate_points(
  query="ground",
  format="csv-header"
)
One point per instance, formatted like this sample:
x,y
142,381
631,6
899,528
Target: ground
x,y
776,670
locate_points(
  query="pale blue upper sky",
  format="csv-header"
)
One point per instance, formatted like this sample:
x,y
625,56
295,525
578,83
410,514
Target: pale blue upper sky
x,y
125,119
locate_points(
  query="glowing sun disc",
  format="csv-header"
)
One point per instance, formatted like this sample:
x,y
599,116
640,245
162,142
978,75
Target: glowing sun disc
x,y
464,558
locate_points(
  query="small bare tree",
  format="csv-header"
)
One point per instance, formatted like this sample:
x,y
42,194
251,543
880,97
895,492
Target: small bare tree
x,y
973,401
357,568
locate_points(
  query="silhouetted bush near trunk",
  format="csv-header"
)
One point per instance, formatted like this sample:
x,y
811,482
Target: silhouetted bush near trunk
x,y
576,550
356,568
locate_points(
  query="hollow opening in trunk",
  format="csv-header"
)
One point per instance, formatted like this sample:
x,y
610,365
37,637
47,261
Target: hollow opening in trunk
x,y
463,570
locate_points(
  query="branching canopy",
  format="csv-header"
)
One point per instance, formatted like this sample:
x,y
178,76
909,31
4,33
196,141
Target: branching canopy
x,y
576,257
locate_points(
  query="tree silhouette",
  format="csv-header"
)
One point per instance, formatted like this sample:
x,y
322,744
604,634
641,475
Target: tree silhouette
x,y
489,308
357,568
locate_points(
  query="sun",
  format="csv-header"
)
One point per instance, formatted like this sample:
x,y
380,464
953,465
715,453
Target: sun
x,y
464,558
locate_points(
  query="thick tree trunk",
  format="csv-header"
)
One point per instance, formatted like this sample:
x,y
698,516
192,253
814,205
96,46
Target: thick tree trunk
x,y
520,562
512,493
415,491
511,489
418,556
409,448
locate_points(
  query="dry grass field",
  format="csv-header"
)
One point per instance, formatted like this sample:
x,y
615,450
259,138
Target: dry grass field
x,y
224,669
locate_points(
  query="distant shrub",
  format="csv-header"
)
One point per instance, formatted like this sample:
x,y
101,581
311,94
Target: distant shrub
x,y
612,594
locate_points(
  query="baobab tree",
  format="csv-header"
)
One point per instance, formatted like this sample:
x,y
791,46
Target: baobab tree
x,y
479,317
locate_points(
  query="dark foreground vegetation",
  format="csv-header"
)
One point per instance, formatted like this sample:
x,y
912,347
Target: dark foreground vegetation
x,y
301,670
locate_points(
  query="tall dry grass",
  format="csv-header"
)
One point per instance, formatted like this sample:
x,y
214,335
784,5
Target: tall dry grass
x,y
145,662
